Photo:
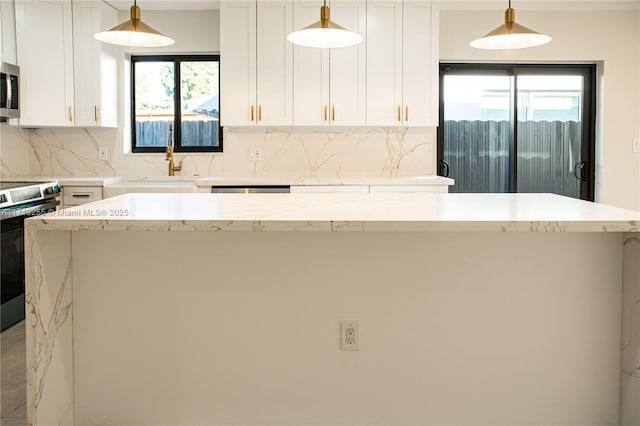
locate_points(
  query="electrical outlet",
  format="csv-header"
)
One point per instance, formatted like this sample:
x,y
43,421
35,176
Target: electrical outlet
x,y
635,147
254,153
103,153
349,335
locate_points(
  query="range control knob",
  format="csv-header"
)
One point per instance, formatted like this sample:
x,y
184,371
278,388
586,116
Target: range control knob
x,y
3,198
52,189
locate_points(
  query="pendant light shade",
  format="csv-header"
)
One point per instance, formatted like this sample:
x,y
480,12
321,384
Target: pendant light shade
x,y
324,33
134,33
510,35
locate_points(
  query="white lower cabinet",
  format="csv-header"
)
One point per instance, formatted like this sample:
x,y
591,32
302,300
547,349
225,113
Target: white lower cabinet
x,y
366,189
78,195
329,189
409,188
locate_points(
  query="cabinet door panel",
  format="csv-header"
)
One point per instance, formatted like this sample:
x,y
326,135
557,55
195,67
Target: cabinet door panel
x,y
8,31
347,67
310,72
420,53
95,65
237,62
108,87
384,62
274,66
46,62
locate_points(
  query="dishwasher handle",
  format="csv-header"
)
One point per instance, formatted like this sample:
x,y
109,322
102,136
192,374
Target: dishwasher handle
x,y
251,189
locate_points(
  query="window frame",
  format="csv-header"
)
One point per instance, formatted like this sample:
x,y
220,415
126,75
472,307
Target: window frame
x,y
177,59
588,72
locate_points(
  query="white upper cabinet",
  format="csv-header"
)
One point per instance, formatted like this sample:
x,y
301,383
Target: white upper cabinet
x,y
49,34
402,63
256,63
329,84
95,66
45,56
8,31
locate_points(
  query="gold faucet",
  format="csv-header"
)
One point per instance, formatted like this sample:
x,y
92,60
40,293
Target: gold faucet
x,y
169,156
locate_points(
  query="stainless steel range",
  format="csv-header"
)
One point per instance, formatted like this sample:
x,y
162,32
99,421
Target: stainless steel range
x,y
18,201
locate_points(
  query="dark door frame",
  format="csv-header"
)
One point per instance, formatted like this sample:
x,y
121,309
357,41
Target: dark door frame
x,y
588,72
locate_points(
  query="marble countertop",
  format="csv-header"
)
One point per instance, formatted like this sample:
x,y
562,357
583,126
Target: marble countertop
x,y
205,181
343,212
248,180
70,180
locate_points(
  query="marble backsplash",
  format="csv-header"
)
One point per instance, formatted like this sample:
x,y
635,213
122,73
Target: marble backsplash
x,y
296,153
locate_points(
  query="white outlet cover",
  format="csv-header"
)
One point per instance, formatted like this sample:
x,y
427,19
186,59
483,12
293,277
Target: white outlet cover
x,y
254,153
103,153
349,335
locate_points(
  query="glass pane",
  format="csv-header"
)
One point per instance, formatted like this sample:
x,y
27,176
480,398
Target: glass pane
x,y
549,134
200,103
154,110
477,132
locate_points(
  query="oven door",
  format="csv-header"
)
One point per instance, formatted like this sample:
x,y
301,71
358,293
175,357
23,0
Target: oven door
x,y
12,268
9,91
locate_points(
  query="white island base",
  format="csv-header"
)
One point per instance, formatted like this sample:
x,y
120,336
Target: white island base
x,y
149,320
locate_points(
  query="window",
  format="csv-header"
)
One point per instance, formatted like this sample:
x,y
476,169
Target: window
x,y
518,128
175,96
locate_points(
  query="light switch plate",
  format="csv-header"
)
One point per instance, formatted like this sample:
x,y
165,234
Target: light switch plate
x,y
636,146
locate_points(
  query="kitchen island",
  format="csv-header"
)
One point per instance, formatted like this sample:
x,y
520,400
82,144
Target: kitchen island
x,y
188,309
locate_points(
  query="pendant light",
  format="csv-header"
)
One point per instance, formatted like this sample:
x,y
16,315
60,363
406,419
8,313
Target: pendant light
x,y
324,33
134,33
510,35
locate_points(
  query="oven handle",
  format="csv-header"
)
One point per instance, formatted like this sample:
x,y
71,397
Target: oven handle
x,y
29,211
9,91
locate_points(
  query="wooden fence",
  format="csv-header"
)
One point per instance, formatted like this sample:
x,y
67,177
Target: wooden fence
x,y
194,133
548,151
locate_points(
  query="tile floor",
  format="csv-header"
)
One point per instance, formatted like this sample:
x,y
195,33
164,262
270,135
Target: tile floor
x,y
13,390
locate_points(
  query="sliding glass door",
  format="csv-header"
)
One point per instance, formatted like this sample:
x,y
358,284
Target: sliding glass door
x,y
517,128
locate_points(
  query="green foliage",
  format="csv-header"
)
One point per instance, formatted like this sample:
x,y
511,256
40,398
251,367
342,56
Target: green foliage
x,y
154,83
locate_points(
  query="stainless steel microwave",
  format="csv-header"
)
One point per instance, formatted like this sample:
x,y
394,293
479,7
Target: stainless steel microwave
x,y
9,91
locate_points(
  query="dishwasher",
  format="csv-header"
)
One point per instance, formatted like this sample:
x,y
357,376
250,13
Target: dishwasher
x,y
251,189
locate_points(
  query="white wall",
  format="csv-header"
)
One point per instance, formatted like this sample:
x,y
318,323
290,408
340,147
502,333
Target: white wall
x,y
608,37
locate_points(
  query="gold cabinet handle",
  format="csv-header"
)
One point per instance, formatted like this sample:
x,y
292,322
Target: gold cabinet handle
x,y
96,113
71,114
325,113
259,112
399,109
252,113
333,113
406,113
